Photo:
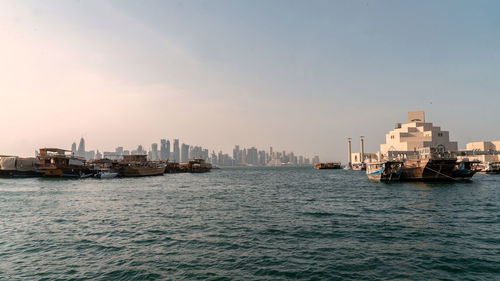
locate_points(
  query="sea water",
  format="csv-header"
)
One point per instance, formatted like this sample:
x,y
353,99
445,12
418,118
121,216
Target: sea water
x,y
249,224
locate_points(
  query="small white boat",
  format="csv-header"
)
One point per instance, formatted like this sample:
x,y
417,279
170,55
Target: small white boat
x,y
106,175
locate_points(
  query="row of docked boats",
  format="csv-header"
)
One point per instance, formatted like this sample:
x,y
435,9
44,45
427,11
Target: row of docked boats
x,y
60,163
328,166
425,165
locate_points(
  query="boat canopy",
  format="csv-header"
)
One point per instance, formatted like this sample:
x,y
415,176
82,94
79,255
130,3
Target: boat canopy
x,y
45,151
8,163
26,164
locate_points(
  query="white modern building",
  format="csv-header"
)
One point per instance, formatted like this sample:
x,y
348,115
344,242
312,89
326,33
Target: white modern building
x,y
417,134
484,147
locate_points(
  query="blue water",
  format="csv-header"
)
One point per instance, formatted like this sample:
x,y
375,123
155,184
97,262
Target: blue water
x,y
249,224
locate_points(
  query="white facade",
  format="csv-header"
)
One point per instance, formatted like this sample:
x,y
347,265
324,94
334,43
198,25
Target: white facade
x,y
484,146
368,157
417,134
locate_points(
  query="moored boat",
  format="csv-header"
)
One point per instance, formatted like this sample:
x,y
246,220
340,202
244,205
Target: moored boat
x,y
105,174
18,167
138,166
325,166
465,169
61,163
199,165
358,166
489,168
384,171
424,165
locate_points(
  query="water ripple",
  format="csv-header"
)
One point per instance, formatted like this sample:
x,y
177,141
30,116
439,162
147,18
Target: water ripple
x,y
249,224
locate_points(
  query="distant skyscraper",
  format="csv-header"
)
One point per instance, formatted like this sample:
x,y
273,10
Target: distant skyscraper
x,y
119,151
252,156
154,152
169,153
90,155
98,155
213,158
262,157
315,160
81,148
184,153
140,151
177,152
237,155
73,148
163,150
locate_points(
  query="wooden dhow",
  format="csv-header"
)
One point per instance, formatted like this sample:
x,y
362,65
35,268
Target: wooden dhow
x,y
61,163
327,166
427,164
19,167
139,166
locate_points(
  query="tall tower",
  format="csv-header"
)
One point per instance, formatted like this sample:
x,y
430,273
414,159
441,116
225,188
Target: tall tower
x,y
81,148
177,152
185,153
163,149
362,149
154,152
168,149
349,155
73,148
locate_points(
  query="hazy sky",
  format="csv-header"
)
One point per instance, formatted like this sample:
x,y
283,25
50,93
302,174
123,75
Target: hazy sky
x,y
297,75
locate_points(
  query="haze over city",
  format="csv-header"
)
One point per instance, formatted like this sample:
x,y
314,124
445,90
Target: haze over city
x,y
296,75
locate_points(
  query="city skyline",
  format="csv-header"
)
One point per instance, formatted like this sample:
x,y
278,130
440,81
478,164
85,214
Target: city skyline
x,y
302,75
250,156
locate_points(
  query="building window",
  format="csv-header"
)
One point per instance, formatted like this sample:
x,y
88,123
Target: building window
x,y
392,137
440,134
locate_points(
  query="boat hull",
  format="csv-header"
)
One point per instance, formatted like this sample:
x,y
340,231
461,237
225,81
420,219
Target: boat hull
x,y
429,170
386,172
20,174
106,175
327,166
76,173
132,171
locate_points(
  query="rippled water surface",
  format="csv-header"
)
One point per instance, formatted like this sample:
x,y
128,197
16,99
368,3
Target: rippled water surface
x,y
249,224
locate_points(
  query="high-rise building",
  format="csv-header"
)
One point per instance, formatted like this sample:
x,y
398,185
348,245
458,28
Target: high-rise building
x,y
205,154
184,153
73,148
252,156
154,152
139,151
243,156
169,153
90,155
164,153
262,158
315,160
237,155
81,148
98,155
213,158
119,152
177,152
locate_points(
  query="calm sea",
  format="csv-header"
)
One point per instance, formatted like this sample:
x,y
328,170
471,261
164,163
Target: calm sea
x,y
249,224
